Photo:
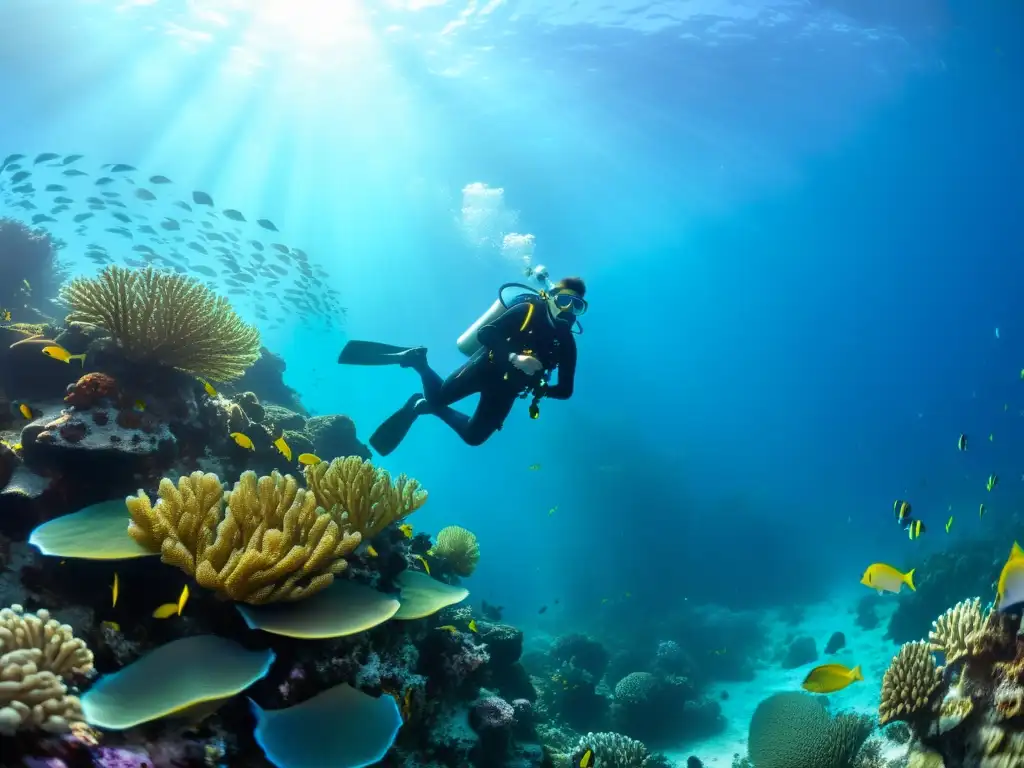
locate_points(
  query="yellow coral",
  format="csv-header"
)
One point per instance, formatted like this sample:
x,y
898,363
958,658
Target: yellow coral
x,y
909,684
35,651
165,318
271,543
362,495
949,631
459,547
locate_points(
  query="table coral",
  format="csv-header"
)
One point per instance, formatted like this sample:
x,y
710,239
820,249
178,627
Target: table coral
x,y
270,542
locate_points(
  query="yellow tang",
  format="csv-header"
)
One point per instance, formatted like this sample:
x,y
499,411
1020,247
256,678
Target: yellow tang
x,y
207,386
885,578
449,628
829,678
1009,586
57,352
370,550
308,459
472,625
406,530
25,411
283,447
243,440
167,610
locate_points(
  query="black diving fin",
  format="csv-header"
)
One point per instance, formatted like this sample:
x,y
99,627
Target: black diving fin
x,y
392,432
371,353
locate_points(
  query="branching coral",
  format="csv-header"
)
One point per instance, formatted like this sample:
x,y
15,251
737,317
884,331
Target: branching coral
x,y
459,548
949,631
166,319
35,652
270,543
363,496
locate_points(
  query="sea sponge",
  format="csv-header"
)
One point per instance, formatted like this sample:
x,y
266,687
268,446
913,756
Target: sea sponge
x,y
459,548
909,684
167,319
271,542
616,749
949,631
362,495
35,652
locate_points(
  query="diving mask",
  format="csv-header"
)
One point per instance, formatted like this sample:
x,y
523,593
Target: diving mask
x,y
567,301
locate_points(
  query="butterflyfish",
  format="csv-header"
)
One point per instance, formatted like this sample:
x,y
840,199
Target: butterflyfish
x,y
284,448
1010,587
406,530
584,759
167,610
57,352
243,440
885,578
115,589
371,551
914,529
308,459
902,510
25,411
829,678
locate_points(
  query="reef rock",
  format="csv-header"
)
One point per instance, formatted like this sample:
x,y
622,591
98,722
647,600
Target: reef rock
x,y
335,437
266,377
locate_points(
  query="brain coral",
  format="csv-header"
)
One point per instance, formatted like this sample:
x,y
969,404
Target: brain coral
x,y
794,730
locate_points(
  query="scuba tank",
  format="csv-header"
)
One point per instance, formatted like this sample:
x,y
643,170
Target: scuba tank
x,y
509,295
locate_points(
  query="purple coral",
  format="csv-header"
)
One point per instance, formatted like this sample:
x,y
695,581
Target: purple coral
x,y
116,757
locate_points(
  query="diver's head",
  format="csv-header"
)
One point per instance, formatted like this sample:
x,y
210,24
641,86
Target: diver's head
x,y
565,299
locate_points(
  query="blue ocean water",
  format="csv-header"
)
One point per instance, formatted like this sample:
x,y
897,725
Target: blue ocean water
x,y
799,221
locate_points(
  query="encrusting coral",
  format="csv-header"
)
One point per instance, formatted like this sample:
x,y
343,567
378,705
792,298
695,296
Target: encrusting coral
x,y
363,496
459,548
35,653
270,543
949,631
166,319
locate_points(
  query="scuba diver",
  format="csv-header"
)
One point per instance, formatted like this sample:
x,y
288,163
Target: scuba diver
x,y
513,349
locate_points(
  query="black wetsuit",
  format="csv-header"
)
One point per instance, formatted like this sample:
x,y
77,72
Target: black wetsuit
x,y
520,330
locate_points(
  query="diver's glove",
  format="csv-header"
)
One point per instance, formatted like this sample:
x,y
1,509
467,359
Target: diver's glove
x,y
526,363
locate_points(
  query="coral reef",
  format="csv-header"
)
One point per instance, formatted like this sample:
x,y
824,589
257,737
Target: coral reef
x,y
794,730
269,542
166,319
459,548
30,271
616,749
335,435
968,712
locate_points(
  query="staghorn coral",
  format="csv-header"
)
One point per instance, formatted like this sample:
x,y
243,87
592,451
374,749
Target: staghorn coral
x,y
616,749
909,684
36,651
459,548
363,496
949,631
166,319
270,543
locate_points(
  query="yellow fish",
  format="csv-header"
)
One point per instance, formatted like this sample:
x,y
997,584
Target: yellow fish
x,y
533,467
1010,587
111,625
949,523
586,760
472,625
242,440
140,406
991,483
284,448
426,567
25,411
207,386
552,510
981,511
450,629
27,286
308,459
5,315
57,352
167,610
885,578
115,588
829,678
406,530
370,550
915,529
